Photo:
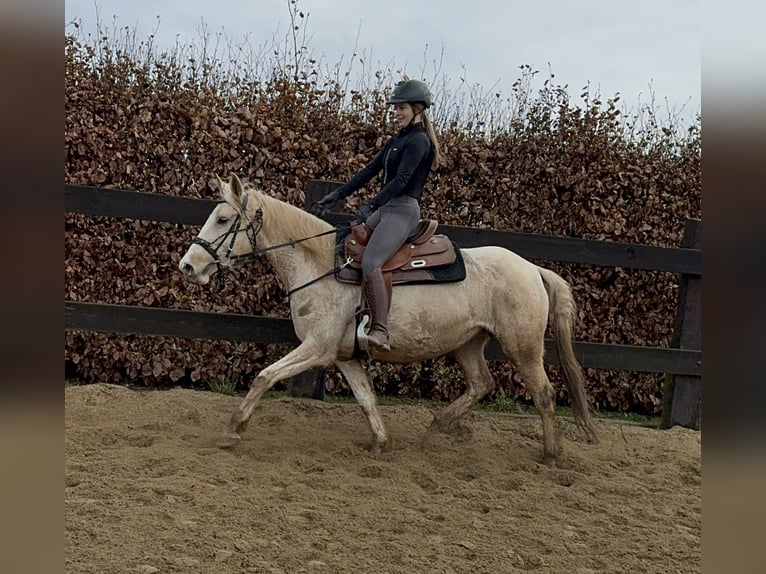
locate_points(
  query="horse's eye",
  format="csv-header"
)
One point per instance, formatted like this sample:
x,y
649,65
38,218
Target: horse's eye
x,y
222,220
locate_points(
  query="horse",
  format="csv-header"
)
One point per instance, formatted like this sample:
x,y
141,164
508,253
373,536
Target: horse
x,y
502,296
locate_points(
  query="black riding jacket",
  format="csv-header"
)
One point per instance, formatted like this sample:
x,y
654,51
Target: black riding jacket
x,y
406,161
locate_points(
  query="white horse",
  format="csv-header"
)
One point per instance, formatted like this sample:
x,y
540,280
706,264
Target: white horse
x,y
503,296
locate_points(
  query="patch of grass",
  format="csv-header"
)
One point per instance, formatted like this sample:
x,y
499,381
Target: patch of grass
x,y
505,405
500,405
274,395
634,418
384,400
223,387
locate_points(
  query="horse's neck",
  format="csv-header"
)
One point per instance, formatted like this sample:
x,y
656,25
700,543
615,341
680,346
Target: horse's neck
x,y
293,264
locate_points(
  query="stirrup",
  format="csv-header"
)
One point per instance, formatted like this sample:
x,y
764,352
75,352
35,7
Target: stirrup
x,y
361,332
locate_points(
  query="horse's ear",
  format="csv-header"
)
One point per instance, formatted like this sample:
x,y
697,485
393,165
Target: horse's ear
x,y
236,187
221,186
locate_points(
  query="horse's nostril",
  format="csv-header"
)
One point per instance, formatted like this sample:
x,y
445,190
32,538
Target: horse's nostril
x,y
187,269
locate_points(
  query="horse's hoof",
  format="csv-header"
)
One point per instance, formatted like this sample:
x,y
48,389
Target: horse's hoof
x,y
380,447
549,461
456,429
228,440
436,426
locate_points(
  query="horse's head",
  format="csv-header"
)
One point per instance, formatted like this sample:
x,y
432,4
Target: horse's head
x,y
228,234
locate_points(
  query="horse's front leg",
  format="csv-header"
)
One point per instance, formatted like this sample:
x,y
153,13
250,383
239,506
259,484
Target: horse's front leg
x,y
306,356
359,381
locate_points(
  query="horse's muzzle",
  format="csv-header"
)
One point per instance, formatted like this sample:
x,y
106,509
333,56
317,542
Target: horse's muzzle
x,y
201,277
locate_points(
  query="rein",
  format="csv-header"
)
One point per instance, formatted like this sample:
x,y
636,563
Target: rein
x,y
292,243
332,271
252,231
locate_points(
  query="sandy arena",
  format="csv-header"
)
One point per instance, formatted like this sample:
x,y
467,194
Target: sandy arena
x,y
147,491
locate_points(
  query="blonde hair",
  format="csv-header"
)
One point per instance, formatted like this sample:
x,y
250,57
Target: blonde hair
x,y
419,108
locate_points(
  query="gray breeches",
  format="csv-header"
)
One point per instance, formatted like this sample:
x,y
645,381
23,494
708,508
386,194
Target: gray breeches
x,y
391,226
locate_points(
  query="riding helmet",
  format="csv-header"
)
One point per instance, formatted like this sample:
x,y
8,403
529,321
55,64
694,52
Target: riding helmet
x,y
410,91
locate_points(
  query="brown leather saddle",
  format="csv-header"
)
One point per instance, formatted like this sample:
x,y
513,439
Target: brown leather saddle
x,y
425,257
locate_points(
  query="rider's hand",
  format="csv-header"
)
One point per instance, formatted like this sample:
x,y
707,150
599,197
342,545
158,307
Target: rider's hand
x,y
364,211
326,202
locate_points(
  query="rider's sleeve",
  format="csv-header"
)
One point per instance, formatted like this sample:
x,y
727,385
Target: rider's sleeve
x,y
363,176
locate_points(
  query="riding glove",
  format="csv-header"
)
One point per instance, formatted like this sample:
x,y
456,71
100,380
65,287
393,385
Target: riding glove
x,y
364,211
325,203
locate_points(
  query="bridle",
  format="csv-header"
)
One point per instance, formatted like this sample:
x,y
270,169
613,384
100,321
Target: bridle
x,y
251,229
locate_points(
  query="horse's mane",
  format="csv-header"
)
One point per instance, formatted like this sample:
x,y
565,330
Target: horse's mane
x,y
295,223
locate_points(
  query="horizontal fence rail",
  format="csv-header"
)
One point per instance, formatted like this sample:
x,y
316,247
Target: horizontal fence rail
x,y
157,322
152,321
190,211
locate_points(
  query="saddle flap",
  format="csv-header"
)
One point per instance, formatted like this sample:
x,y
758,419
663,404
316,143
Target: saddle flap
x,y
354,250
437,251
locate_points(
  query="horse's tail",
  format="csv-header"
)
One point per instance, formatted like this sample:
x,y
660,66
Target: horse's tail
x,y
562,316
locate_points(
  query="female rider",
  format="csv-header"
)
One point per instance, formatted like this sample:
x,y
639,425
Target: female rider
x,y
392,215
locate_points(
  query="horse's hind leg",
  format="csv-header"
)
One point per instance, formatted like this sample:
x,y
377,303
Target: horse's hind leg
x,y
359,381
543,394
478,380
307,355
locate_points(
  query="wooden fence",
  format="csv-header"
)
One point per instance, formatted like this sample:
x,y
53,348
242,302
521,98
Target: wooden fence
x,y
682,362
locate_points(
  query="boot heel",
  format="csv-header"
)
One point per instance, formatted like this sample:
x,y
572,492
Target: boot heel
x,y
379,340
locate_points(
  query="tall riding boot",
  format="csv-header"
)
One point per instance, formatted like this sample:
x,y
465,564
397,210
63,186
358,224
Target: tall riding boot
x,y
377,297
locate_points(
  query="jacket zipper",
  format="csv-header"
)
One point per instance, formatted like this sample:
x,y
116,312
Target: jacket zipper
x,y
385,165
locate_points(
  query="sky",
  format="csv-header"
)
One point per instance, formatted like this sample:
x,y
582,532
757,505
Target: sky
x,y
642,49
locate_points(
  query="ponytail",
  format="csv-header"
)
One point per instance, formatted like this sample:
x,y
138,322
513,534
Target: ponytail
x,y
432,136
419,108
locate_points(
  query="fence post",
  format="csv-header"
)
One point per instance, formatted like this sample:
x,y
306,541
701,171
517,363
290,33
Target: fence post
x,y
311,383
682,394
